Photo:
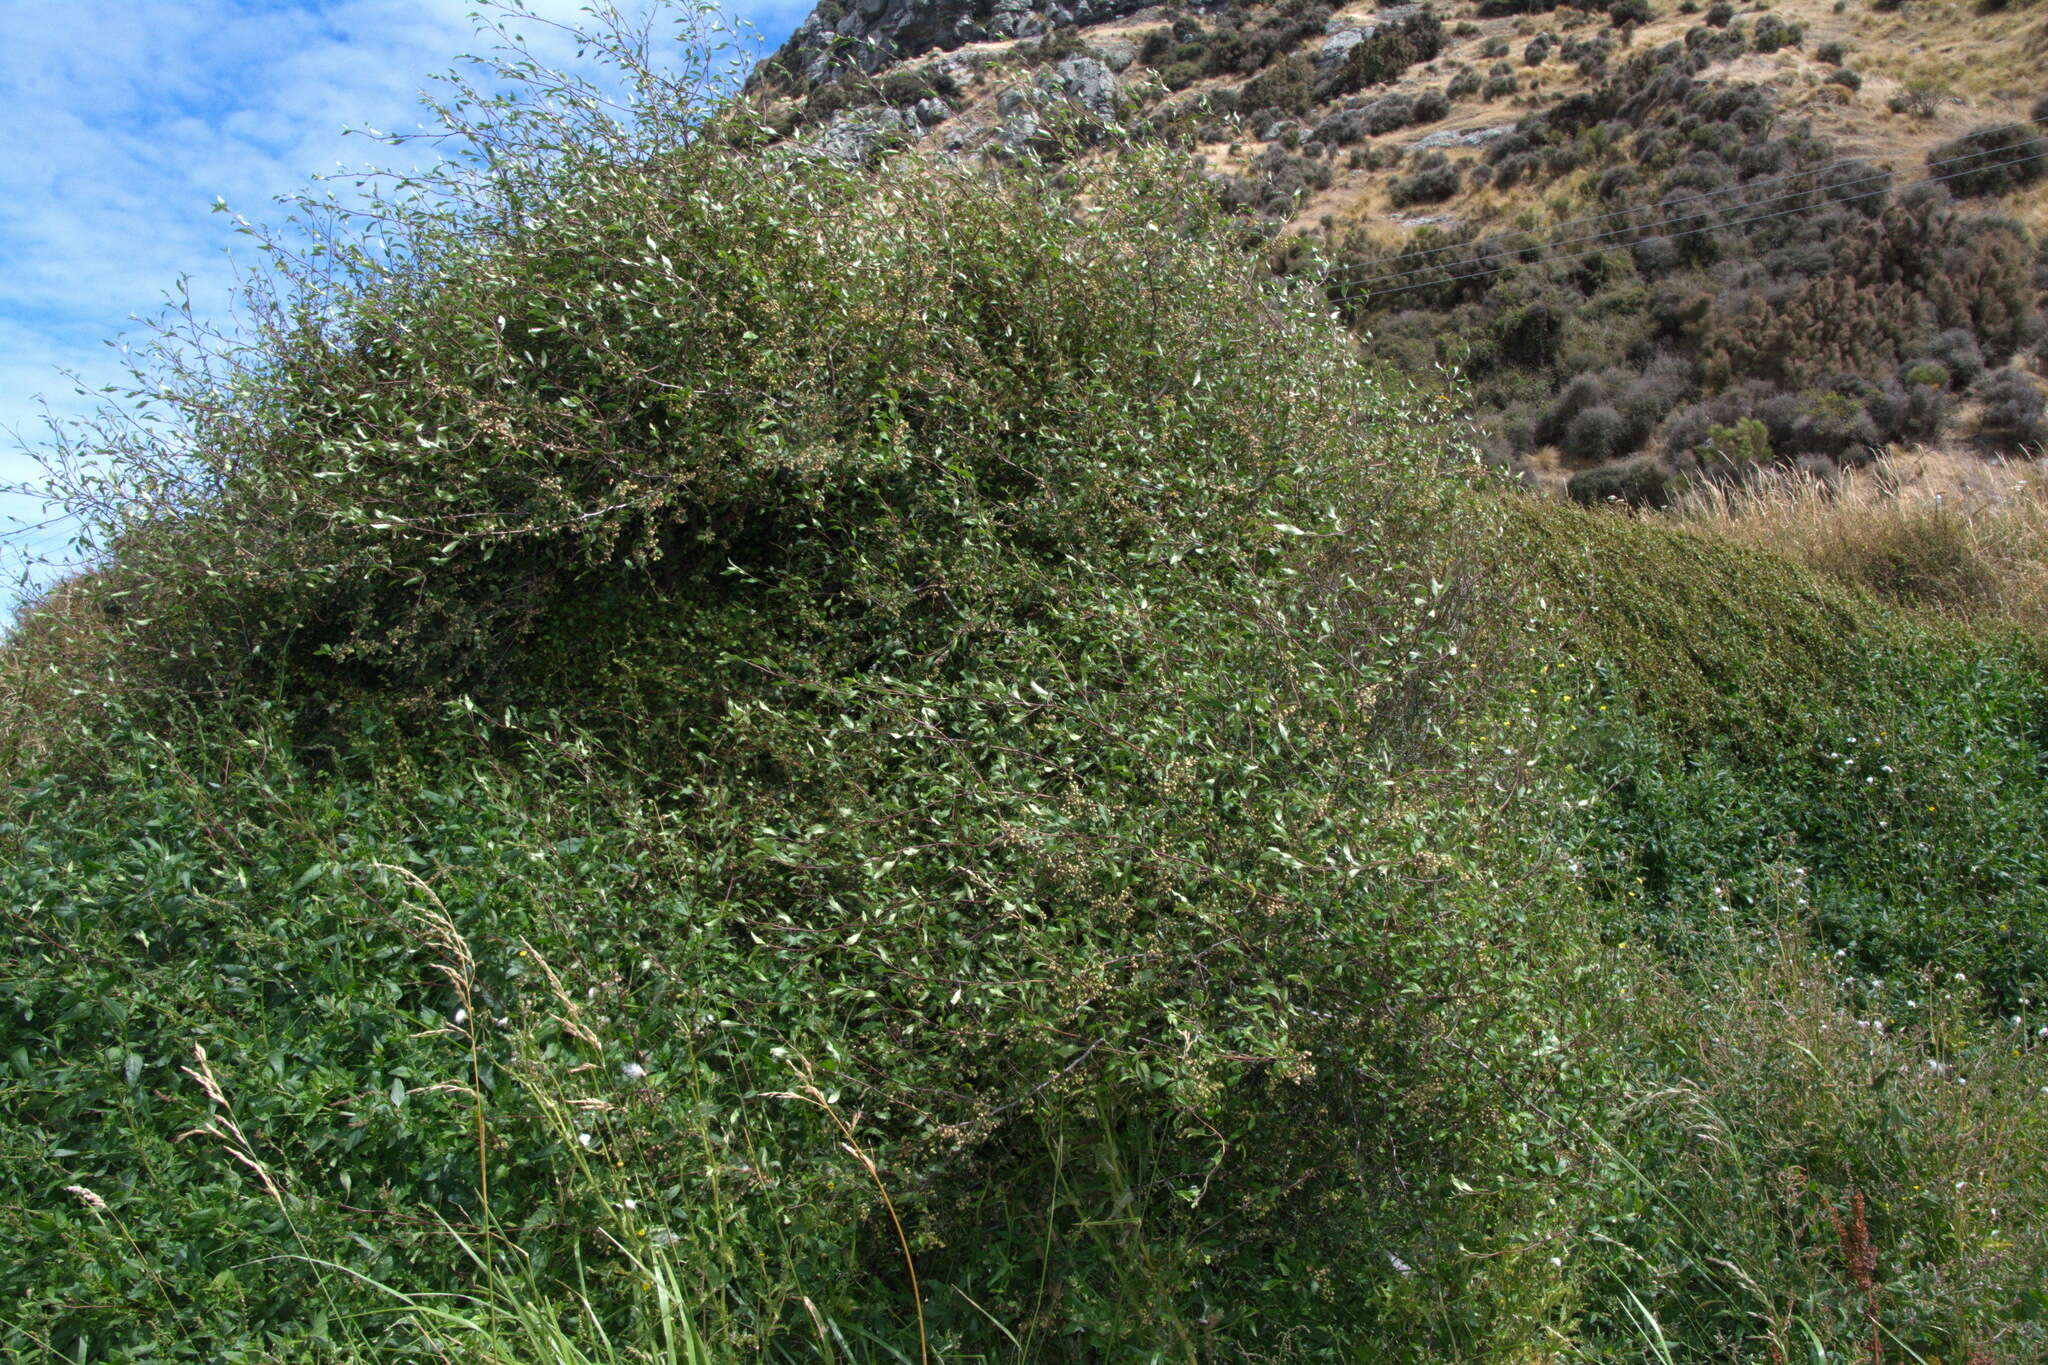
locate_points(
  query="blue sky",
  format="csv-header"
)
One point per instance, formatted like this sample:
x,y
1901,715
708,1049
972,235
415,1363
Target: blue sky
x,y
123,121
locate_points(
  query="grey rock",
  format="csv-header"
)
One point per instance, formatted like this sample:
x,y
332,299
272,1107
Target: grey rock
x,y
1088,83
868,35
1471,137
932,111
1016,132
1337,47
1015,19
1083,80
1115,53
1346,34
855,137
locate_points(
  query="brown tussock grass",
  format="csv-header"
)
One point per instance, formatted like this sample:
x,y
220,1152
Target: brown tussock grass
x,y
1954,533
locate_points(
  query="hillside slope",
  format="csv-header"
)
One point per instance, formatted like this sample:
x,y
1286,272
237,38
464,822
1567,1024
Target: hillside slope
x,y
1679,220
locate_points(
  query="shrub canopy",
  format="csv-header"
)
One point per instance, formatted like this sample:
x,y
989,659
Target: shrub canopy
x,y
1011,643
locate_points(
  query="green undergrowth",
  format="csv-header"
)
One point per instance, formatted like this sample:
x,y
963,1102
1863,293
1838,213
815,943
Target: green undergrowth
x,y
1822,818
1760,732
709,756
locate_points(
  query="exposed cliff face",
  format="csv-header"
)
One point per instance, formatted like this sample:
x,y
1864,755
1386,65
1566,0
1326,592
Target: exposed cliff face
x,y
869,35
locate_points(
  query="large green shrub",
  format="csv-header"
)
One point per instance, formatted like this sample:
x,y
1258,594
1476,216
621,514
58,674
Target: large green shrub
x,y
958,640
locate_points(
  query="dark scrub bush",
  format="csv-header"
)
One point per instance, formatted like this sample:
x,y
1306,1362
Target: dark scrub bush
x,y
1434,179
1957,352
1287,86
1594,435
1990,160
1635,483
2010,404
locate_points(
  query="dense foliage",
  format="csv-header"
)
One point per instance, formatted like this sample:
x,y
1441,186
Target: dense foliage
x,y
1719,264
988,647
923,762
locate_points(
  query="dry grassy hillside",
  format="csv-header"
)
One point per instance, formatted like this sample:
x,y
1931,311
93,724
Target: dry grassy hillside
x,y
1948,65
1681,217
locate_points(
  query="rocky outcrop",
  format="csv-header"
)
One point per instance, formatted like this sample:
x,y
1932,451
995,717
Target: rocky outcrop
x,y
1471,137
1346,34
1078,97
857,136
868,35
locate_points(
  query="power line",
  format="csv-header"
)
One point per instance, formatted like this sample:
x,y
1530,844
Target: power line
x,y
1366,292
1713,209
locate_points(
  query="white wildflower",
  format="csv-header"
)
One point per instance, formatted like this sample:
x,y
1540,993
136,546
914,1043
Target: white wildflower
x,y
633,1071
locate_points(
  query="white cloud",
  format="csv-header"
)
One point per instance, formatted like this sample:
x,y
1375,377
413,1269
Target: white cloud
x,y
123,121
